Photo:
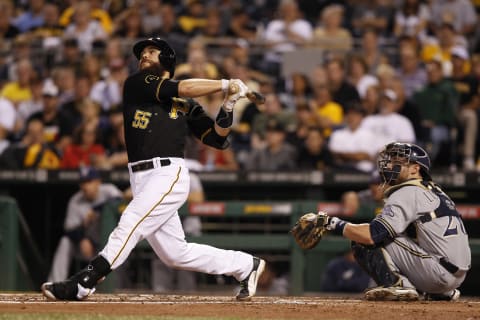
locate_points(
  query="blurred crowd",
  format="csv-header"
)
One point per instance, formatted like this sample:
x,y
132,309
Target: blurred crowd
x,y
385,70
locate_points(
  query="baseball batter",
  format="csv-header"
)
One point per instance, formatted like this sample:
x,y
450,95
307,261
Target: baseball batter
x,y
418,243
156,117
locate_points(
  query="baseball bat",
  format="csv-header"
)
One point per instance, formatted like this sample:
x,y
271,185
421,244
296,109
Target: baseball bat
x,y
253,96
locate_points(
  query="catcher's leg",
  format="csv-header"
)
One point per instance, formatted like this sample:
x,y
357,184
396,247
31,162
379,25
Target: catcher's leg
x,y
378,264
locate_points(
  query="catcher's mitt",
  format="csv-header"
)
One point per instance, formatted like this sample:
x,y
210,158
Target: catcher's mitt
x,y
309,229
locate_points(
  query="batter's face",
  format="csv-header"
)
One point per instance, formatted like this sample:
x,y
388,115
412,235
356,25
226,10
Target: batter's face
x,y
149,57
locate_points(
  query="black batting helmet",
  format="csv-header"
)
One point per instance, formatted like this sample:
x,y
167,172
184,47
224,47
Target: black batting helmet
x,y
167,56
411,153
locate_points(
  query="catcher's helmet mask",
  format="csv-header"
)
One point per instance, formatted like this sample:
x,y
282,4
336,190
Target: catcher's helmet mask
x,y
167,56
396,154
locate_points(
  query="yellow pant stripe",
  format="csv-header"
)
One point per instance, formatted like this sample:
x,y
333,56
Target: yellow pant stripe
x,y
411,250
148,213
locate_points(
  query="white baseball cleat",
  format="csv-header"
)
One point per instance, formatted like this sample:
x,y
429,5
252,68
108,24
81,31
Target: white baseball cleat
x,y
454,295
391,294
248,287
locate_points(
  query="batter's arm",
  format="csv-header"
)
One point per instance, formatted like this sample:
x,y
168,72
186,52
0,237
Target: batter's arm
x,y
193,88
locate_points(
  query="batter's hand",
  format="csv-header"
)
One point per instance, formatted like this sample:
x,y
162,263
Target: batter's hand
x,y
236,90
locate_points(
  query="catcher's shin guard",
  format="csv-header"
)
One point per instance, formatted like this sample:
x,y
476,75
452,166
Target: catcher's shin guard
x,y
95,271
376,262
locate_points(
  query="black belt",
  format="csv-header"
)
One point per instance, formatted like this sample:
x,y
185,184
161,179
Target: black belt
x,y
149,165
450,267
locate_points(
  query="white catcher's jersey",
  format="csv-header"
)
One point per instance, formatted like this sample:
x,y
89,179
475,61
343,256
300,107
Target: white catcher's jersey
x,y
428,216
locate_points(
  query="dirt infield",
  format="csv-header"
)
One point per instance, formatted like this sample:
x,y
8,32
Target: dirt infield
x,y
259,308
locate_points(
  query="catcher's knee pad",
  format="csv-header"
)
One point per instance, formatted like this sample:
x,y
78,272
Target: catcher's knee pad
x,y
93,273
377,263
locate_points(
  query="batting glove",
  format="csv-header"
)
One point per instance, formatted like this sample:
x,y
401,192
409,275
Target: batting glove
x,y
237,89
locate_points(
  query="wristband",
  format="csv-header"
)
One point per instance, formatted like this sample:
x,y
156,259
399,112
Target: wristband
x,y
339,227
224,118
225,83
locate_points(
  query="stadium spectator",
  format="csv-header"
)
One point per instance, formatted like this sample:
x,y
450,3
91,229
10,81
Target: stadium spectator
x,y
344,274
214,159
193,19
7,122
81,227
461,13
31,18
388,124
342,92
50,30
95,12
32,151
71,56
241,25
354,148
128,25
49,114
18,90
328,113
437,102
151,17
284,34
7,29
370,49
469,100
372,14
85,149
313,153
272,109
358,74
277,153
412,73
408,108
71,110
26,108
108,92
329,33
371,100
439,47
84,28
411,19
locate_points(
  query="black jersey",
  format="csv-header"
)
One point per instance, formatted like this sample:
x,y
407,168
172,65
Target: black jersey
x,y
156,120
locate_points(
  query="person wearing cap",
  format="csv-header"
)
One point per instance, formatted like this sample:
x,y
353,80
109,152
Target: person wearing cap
x,y
49,115
469,100
277,153
81,226
388,124
157,112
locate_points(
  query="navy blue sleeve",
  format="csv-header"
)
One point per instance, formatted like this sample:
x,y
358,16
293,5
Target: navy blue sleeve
x,y
379,232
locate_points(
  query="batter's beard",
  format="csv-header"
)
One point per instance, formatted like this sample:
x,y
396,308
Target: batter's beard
x,y
154,68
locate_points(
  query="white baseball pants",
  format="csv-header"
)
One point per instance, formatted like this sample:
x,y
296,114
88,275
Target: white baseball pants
x,y
158,193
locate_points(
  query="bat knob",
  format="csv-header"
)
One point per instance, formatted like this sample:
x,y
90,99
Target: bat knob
x,y
234,88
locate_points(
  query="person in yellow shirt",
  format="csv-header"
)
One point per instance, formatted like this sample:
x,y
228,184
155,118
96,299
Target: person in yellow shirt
x,y
329,114
19,90
97,13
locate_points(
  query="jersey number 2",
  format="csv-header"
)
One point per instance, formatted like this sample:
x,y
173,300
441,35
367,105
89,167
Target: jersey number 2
x,y
141,119
452,228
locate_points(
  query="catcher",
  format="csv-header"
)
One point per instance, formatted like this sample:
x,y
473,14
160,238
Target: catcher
x,y
418,244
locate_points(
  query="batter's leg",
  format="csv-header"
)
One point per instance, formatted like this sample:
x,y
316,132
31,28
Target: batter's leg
x,y
171,247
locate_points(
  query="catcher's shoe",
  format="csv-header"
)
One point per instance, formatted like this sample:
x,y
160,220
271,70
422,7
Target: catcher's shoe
x,y
454,295
248,287
391,294
65,290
